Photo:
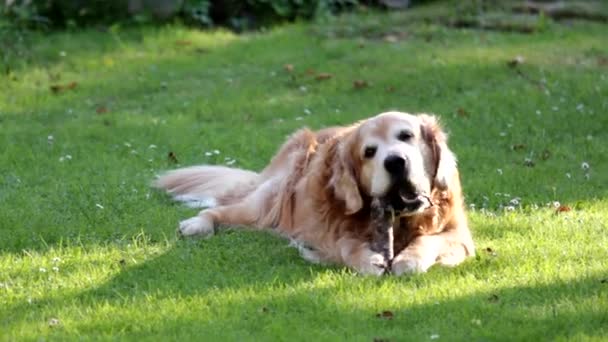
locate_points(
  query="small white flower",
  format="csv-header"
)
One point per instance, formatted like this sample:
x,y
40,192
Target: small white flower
x,y
127,144
299,118
150,160
585,166
231,162
568,175
337,110
434,336
580,107
61,159
99,205
208,154
56,259
55,269
303,89
556,204
472,206
50,139
152,146
53,322
42,270
62,53
216,152
307,111
476,321
503,134
510,208
555,108
538,112
514,201
589,137
133,152
587,176
499,171
497,194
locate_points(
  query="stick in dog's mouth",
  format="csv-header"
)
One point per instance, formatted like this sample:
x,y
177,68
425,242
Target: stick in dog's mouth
x,y
406,203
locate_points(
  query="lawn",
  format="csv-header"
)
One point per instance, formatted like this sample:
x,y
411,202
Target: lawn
x,y
88,118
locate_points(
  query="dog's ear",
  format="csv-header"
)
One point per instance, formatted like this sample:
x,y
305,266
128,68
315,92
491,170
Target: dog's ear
x,y
345,184
444,167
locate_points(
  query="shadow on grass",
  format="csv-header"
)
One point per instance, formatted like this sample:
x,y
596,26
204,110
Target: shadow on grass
x,y
232,297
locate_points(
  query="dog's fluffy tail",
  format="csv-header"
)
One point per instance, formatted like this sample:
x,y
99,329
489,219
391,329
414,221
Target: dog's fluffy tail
x,y
208,186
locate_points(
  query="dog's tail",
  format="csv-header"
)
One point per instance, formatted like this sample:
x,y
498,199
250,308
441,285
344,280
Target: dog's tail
x,y
208,186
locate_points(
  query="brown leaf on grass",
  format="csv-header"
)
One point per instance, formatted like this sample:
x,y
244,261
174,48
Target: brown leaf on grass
x,y
390,38
288,67
183,42
101,110
490,251
462,113
172,157
516,61
323,76
310,72
360,84
546,154
493,298
385,315
562,209
602,61
59,88
518,147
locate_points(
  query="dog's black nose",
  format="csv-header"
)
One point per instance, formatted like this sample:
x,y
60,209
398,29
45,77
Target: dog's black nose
x,y
395,165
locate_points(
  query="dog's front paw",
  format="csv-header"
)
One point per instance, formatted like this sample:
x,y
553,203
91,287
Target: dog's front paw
x,y
372,264
197,225
410,263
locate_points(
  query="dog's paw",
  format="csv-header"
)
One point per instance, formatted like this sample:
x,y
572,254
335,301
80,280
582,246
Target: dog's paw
x,y
197,225
410,263
372,264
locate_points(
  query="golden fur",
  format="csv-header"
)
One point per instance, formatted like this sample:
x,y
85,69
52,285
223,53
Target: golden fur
x,y
318,188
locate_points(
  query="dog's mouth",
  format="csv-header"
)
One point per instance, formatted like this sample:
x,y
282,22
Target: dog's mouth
x,y
407,201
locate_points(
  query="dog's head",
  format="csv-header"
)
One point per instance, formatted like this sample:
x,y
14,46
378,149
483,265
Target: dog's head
x,y
397,156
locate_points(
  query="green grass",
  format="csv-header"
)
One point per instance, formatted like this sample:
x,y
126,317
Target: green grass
x,y
88,250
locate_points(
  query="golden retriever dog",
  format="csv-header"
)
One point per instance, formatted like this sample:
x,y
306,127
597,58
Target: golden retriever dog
x,y
318,188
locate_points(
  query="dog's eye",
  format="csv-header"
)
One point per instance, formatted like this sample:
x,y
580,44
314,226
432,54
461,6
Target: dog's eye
x,y
405,135
370,151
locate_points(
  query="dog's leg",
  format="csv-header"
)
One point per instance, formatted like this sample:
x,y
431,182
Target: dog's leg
x,y
247,212
358,255
448,248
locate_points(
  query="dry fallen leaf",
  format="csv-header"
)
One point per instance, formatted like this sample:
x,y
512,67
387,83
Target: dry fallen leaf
x,y
360,84
59,88
172,157
546,154
288,67
101,110
310,72
516,61
563,209
323,76
518,147
385,314
183,42
462,113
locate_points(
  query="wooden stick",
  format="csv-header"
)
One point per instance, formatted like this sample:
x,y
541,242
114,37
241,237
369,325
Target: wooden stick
x,y
382,216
